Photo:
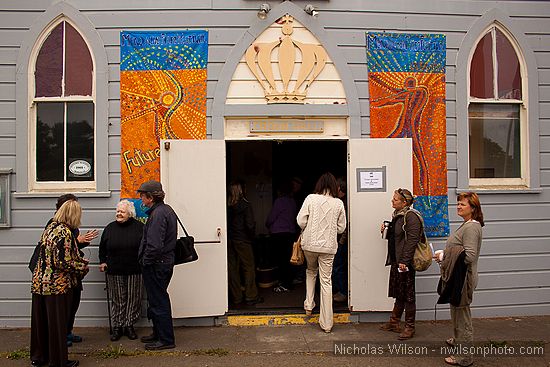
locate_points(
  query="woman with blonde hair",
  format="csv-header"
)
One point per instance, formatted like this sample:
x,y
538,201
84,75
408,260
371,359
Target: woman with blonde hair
x,y
404,233
118,257
58,270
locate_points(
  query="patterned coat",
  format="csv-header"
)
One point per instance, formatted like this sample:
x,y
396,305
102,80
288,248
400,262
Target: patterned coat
x,y
59,266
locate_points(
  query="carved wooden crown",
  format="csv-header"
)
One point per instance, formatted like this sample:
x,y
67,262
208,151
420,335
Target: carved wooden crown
x,y
259,55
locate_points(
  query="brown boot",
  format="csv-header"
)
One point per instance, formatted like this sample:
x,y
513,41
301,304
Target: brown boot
x,y
408,332
395,318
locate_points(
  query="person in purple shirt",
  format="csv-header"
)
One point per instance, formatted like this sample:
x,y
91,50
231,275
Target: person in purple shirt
x,y
281,223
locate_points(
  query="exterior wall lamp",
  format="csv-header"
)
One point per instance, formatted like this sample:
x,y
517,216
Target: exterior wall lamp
x,y
264,9
310,9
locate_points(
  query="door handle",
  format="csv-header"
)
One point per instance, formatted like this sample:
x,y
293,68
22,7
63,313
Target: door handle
x,y
218,233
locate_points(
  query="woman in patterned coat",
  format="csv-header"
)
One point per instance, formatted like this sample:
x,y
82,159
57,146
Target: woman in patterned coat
x,y
57,272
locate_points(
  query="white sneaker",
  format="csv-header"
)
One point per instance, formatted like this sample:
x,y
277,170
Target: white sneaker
x,y
280,289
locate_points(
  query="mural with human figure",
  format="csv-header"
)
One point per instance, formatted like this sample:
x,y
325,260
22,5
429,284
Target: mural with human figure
x,y
407,100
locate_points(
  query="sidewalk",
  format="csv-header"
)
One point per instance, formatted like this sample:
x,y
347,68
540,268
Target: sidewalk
x,y
304,345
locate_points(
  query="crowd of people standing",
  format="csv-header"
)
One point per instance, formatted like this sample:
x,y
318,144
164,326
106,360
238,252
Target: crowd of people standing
x,y
133,255
130,253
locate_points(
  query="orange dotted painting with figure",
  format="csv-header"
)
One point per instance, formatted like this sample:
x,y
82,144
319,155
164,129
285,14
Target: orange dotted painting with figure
x,y
162,96
407,100
413,106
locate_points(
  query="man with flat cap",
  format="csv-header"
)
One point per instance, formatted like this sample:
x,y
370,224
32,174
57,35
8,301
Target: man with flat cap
x,y
156,256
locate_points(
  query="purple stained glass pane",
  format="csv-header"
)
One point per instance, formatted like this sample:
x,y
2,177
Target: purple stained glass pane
x,y
481,69
78,64
49,65
509,76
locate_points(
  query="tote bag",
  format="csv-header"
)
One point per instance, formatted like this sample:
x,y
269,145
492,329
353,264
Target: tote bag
x,y
185,248
297,257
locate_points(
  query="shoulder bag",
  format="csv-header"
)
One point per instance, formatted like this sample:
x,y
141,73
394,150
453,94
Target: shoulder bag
x,y
297,257
34,257
185,248
422,258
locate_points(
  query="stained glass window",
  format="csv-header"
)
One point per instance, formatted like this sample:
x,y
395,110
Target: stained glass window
x,y
65,109
495,109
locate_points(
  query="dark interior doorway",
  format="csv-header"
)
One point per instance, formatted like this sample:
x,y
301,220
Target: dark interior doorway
x,y
262,166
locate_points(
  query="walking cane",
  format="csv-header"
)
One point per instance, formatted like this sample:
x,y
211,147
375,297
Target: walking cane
x,y
108,304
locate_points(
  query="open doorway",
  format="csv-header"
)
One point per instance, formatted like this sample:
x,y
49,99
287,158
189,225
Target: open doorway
x,y
263,166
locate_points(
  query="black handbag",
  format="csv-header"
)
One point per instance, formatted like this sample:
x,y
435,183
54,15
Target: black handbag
x,y
185,248
34,258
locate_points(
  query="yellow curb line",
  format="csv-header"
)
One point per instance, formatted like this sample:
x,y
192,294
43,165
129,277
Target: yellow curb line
x,y
273,320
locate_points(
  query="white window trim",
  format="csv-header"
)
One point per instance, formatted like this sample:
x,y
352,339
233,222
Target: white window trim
x,y
57,186
524,180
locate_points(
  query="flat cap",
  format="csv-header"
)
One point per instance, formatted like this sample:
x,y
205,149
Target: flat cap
x,y
150,186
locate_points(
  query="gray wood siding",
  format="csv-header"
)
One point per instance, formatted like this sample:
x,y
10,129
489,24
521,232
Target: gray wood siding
x,y
514,265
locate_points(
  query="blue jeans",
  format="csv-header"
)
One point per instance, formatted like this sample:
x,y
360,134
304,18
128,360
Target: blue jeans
x,y
340,269
156,278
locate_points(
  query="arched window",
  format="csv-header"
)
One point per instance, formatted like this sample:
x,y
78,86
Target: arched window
x,y
497,112
62,112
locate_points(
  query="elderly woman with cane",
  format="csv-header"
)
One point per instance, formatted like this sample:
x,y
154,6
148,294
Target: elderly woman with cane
x,y
118,257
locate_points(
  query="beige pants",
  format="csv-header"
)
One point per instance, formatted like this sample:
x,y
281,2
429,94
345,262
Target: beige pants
x,y
322,264
463,332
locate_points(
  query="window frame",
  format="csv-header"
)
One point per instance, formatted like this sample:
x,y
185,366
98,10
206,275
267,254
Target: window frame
x,y
22,102
522,181
457,123
46,186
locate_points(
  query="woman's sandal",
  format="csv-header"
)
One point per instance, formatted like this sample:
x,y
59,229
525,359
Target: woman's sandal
x,y
453,362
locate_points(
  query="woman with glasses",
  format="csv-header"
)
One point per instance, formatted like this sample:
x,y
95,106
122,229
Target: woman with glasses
x,y
403,234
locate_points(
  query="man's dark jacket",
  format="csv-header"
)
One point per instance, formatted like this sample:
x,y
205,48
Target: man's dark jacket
x,y
159,236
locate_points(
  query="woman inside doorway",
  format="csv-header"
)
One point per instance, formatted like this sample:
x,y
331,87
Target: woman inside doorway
x,y
282,228
321,217
241,231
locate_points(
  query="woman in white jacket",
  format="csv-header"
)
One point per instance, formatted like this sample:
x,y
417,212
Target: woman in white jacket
x,y
322,217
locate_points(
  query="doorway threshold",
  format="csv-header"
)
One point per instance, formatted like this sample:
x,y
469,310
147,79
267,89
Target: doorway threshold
x,y
278,319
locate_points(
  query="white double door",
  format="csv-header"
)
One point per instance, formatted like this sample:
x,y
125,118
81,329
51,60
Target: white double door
x,y
193,173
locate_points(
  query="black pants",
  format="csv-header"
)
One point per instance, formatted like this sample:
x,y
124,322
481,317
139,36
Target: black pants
x,y
75,302
340,270
282,245
156,278
49,320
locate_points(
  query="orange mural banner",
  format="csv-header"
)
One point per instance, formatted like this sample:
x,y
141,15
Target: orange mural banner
x,y
162,96
407,100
